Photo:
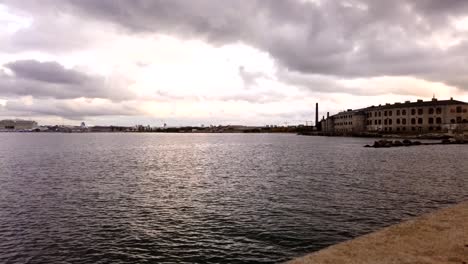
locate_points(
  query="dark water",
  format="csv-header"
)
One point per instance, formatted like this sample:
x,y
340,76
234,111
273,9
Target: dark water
x,y
149,198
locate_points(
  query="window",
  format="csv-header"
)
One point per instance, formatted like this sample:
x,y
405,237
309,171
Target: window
x,y
431,120
438,110
380,114
420,120
420,111
413,121
431,111
390,113
385,121
452,121
438,120
389,129
397,129
403,112
403,121
385,113
375,122
413,111
459,119
397,112
390,121
403,128
398,121
413,129
380,122
459,109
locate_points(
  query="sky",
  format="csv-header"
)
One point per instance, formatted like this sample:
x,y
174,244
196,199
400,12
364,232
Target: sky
x,y
213,62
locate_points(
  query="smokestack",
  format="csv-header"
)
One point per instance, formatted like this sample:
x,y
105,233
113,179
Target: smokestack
x,y
316,115
328,115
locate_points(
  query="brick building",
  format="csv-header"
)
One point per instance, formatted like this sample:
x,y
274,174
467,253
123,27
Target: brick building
x,y
408,117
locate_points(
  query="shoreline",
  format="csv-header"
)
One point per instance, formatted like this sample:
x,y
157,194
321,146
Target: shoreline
x,y
438,237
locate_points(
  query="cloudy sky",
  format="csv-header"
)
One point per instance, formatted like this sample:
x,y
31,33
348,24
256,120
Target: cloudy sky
x,y
215,62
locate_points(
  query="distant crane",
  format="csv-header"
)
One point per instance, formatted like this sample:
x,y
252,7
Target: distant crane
x,y
306,122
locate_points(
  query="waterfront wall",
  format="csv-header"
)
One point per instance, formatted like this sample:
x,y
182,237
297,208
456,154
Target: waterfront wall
x,y
440,237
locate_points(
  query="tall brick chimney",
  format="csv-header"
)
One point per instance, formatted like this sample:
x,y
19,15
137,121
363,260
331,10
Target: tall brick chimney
x,y
316,115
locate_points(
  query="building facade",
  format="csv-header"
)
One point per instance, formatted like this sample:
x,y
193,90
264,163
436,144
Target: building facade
x,y
350,121
408,117
17,124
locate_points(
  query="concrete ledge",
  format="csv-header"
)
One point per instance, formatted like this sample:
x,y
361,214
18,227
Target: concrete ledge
x,y
439,237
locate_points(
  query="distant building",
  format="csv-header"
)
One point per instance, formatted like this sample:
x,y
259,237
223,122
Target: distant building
x,y
17,124
111,129
408,117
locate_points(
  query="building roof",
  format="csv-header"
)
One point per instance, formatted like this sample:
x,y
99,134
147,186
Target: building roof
x,y
419,103
351,111
18,121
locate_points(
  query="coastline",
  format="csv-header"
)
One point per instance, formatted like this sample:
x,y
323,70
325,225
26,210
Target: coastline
x,y
438,237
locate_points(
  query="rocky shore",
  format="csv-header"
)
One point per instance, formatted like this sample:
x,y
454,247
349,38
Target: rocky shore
x,y
407,143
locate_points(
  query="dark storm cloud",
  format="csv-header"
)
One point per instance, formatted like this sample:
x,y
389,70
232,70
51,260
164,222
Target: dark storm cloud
x,y
49,72
52,80
70,109
343,39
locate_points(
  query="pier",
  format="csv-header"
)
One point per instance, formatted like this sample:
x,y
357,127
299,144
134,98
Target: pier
x,y
440,237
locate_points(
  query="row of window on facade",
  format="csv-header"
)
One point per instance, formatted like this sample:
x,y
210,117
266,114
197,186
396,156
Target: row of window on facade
x,y
398,129
344,123
419,129
345,116
345,130
413,121
419,111
403,121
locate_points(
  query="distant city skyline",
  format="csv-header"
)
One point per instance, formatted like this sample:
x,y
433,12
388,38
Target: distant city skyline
x,y
116,62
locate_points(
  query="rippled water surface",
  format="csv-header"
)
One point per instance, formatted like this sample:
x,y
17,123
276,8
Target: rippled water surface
x,y
196,198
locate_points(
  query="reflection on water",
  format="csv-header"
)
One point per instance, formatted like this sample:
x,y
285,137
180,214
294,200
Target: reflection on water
x,y
147,198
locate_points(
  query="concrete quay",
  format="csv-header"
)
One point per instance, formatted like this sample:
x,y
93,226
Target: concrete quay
x,y
440,237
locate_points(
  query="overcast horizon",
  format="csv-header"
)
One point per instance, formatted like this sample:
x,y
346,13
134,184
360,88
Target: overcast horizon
x,y
196,62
